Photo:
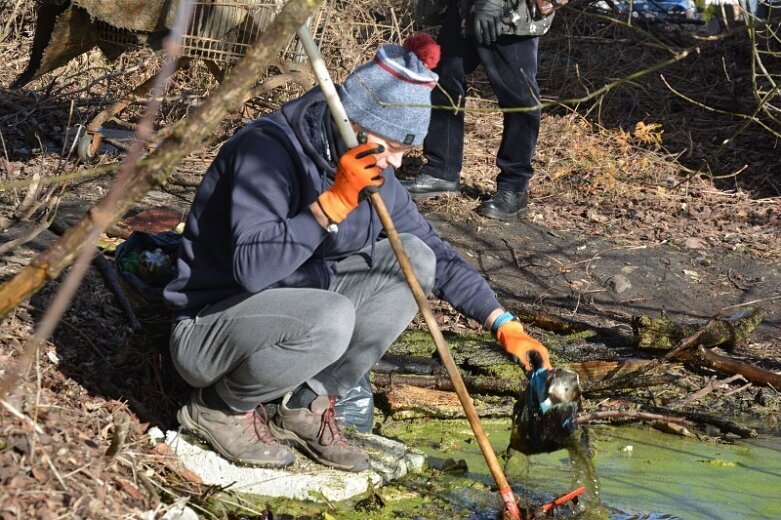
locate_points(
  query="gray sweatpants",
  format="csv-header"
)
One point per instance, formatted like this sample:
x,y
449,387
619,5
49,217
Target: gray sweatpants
x,y
257,347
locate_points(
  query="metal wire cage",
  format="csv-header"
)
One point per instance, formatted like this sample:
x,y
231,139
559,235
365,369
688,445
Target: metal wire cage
x,y
223,31
220,31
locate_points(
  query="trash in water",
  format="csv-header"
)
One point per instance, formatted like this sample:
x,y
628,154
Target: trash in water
x,y
544,415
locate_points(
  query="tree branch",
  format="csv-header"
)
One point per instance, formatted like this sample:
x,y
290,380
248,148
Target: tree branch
x,y
156,169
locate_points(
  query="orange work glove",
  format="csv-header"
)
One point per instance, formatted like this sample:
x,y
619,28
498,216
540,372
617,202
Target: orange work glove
x,y
357,171
519,344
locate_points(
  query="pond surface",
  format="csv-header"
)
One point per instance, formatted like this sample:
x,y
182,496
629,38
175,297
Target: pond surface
x,y
640,473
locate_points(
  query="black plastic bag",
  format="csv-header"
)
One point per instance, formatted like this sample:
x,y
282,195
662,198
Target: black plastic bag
x,y
145,264
539,424
356,408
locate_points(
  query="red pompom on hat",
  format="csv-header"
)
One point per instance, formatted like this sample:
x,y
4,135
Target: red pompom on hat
x,y
425,48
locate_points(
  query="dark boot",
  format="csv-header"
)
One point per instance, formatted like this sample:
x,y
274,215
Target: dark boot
x,y
505,205
242,438
423,186
316,431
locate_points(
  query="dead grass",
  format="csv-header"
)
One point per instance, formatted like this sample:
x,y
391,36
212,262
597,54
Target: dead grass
x,y
615,183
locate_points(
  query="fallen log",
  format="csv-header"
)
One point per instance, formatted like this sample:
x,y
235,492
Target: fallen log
x,y
664,334
692,348
599,376
725,425
612,415
551,322
475,384
418,365
668,415
707,358
594,377
601,369
408,402
623,383
569,327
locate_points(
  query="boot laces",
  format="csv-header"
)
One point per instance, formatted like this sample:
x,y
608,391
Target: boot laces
x,y
330,422
260,425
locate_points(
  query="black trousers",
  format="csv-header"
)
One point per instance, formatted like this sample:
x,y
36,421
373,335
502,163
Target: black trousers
x,y
511,65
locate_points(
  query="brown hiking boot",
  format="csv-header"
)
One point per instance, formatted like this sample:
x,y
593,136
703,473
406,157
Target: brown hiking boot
x,y
318,433
243,438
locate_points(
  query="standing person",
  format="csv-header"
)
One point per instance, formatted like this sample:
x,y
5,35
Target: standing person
x,y
286,293
503,36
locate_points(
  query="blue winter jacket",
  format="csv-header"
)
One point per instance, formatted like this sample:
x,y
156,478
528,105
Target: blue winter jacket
x,y
250,227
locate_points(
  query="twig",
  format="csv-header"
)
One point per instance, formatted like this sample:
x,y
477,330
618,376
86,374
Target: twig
x,y
14,411
91,173
37,230
713,384
748,118
121,428
514,253
112,283
37,399
752,302
738,390
86,339
50,462
110,280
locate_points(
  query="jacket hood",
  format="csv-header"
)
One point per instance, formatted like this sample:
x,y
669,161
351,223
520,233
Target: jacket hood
x,y
311,121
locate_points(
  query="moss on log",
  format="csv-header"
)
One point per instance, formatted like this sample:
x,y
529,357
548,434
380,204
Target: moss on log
x,y
664,334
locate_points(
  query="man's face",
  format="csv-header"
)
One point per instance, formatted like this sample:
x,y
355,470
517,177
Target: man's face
x,y
393,151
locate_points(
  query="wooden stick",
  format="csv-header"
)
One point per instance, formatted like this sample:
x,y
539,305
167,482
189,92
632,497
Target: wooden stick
x,y
109,279
756,375
345,129
14,411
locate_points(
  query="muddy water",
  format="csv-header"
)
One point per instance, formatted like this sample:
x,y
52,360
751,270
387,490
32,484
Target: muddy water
x,y
637,473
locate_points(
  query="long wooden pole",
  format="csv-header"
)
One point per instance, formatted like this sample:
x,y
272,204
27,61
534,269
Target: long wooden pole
x,y
345,129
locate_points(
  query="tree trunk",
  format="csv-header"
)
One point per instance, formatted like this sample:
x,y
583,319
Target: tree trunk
x,y
155,170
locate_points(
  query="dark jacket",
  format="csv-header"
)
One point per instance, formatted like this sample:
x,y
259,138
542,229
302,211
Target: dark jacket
x,y
250,227
521,17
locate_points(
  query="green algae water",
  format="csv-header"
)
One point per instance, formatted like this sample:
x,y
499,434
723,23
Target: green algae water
x,y
640,473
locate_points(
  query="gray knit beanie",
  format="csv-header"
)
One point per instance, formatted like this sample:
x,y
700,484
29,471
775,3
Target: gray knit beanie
x,y
377,94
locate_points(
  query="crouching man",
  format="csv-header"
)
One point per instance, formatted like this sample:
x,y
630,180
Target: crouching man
x,y
286,293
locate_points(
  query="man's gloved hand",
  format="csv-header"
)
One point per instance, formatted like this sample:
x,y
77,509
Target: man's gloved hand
x,y
356,173
519,344
487,21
